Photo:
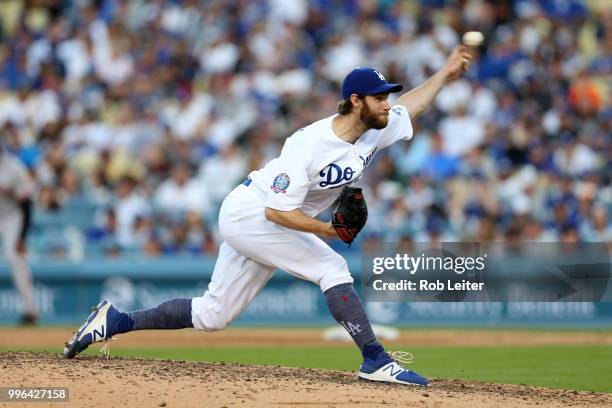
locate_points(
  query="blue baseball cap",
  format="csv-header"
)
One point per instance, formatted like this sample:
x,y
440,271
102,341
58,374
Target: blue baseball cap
x,y
367,81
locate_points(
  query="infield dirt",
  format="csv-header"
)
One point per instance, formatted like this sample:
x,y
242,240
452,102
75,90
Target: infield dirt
x,y
121,382
125,382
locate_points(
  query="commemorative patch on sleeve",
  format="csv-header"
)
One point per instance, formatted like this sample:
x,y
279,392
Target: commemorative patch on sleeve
x,y
280,184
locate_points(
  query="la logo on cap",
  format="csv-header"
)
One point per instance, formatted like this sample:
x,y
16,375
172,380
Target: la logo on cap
x,y
382,78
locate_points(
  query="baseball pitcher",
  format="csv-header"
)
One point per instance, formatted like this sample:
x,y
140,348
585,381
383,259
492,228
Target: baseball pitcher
x,y
268,222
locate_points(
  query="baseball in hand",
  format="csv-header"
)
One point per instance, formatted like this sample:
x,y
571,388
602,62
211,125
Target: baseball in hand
x,y
473,38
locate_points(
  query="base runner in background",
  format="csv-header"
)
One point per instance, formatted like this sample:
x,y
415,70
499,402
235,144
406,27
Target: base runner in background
x,y
268,222
16,189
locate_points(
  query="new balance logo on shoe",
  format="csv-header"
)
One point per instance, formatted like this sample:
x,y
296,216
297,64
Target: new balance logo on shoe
x,y
353,329
98,335
390,369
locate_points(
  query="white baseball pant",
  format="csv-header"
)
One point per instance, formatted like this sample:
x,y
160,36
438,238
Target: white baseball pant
x,y
252,250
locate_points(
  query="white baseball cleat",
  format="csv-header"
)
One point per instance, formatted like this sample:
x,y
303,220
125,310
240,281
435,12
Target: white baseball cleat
x,y
99,327
387,369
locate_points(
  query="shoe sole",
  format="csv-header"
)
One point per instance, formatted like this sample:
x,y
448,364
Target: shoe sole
x,y
74,348
374,378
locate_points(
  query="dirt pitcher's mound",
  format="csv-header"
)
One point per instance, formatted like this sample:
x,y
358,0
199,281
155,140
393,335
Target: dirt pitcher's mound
x,y
123,382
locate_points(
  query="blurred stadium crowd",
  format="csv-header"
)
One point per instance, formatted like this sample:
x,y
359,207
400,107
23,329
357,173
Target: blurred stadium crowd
x,y
137,117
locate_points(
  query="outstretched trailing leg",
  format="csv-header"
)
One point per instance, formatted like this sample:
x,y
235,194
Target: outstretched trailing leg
x,y
235,281
345,306
105,321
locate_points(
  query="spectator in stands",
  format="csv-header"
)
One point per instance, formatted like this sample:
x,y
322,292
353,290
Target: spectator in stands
x,y
107,231
440,165
181,193
129,204
597,227
90,91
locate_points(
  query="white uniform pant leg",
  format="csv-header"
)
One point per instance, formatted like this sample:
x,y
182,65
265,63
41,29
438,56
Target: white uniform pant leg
x,y
236,280
304,255
253,249
10,226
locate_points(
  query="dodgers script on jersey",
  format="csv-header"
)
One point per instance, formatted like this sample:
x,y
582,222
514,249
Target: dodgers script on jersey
x,y
315,162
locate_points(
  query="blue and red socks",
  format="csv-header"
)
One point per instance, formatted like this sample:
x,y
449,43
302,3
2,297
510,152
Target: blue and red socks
x,y
345,306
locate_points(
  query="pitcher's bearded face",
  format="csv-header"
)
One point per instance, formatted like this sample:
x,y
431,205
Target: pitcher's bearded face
x,y
375,111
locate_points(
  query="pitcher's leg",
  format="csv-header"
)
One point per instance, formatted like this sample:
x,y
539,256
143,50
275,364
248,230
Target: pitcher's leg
x,y
235,282
173,314
345,306
308,257
300,254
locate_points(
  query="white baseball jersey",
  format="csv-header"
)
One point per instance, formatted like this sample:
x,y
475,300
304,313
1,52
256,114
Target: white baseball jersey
x,y
14,183
315,162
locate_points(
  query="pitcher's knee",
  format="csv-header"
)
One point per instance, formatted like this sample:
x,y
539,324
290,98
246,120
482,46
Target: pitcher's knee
x,y
207,314
210,324
337,272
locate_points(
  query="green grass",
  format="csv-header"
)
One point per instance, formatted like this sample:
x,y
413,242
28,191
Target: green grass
x,y
586,368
